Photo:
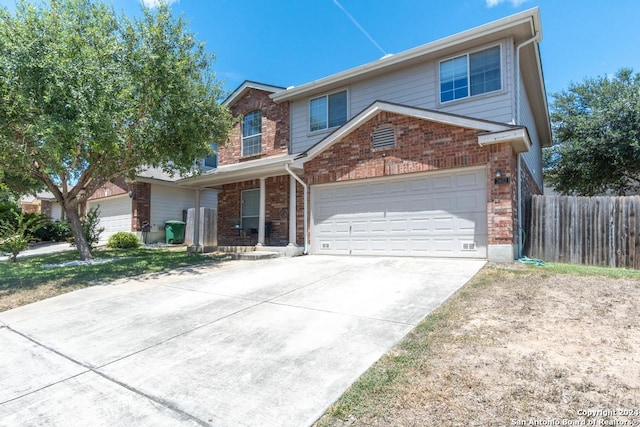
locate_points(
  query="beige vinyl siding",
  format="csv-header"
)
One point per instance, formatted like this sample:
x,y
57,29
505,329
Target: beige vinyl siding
x,y
167,203
414,86
533,158
417,86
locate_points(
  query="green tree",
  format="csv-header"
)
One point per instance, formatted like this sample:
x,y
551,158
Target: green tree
x,y
15,235
596,127
87,95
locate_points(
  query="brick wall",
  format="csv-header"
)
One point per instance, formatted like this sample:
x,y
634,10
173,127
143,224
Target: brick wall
x,y
277,209
141,205
502,212
112,188
275,128
420,146
423,146
276,212
30,207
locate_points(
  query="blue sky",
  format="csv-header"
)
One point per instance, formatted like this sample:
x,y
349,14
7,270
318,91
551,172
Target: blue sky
x,y
291,42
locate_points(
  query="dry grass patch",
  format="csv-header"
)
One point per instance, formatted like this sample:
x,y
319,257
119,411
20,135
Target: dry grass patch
x,y
513,345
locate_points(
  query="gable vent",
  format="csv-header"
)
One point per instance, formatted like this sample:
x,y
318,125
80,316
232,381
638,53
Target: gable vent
x,y
383,137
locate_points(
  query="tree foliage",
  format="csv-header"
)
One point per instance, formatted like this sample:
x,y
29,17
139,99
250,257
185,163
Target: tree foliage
x,y
87,95
15,235
596,127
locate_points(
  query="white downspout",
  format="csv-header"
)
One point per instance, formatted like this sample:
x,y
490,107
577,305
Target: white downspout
x,y
536,39
305,195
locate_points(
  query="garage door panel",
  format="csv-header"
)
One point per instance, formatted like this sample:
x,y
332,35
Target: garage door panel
x,y
115,215
443,182
372,209
360,227
378,189
378,226
397,245
475,222
418,204
466,180
418,186
397,188
417,225
469,202
420,246
398,226
440,214
445,223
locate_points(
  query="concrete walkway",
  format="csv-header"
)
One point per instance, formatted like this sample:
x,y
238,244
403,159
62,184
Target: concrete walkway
x,y
43,248
266,343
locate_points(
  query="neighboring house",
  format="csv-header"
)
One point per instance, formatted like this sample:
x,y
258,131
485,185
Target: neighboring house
x,y
430,152
44,203
145,204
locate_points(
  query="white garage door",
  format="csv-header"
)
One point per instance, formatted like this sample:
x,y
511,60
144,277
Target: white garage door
x,y
436,214
115,215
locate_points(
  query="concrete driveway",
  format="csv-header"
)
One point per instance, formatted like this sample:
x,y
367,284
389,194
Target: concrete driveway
x,y
268,343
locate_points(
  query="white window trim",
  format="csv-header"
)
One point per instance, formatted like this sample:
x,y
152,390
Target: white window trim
x,y
242,138
467,54
326,95
242,217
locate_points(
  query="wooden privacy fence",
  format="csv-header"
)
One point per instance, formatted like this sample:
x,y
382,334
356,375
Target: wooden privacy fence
x,y
585,230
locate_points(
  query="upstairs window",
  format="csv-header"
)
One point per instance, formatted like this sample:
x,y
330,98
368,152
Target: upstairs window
x,y
470,74
252,133
211,161
328,111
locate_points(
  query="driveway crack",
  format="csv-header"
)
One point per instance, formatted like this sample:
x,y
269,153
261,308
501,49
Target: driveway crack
x,y
164,403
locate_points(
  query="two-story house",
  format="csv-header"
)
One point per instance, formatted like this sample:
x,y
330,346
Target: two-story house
x,y
434,151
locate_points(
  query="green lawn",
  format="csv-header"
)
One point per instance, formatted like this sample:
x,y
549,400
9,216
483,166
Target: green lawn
x,y
26,281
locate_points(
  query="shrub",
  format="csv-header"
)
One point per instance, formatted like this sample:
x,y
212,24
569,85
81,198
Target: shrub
x,y
58,231
91,228
123,240
15,236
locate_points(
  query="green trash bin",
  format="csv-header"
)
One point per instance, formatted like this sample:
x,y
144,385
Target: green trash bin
x,y
174,231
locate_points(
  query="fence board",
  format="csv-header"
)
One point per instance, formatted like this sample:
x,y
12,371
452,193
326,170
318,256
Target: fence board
x,y
585,230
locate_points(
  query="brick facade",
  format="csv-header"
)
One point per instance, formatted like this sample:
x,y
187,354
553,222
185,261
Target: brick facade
x,y
423,146
111,188
276,212
141,205
275,128
502,198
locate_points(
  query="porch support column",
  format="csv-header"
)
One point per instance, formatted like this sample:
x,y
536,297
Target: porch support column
x,y
196,221
261,218
293,219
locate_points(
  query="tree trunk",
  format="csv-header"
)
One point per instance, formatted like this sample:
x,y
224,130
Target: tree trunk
x,y
78,234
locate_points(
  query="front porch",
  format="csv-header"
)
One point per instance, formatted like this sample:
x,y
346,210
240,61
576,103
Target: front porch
x,y
260,208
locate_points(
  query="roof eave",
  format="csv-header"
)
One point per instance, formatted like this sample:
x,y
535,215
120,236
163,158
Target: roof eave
x,y
530,16
263,168
518,137
423,114
247,85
